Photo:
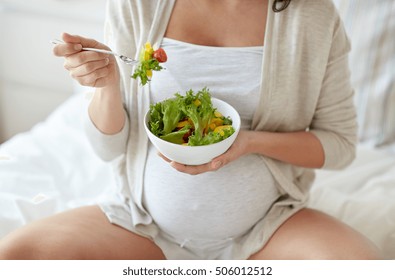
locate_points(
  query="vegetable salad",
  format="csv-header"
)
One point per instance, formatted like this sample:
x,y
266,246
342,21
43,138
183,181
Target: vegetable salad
x,y
189,120
149,60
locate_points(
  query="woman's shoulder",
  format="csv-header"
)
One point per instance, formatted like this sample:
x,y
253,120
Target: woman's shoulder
x,y
320,7
317,12
316,19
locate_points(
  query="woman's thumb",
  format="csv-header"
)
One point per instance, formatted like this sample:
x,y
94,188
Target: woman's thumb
x,y
75,39
71,39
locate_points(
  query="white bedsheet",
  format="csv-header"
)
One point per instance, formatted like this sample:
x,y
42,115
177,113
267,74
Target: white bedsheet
x,y
363,196
52,168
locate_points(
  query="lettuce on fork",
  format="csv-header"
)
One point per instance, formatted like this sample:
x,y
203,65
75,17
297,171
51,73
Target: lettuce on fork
x,y
189,119
149,60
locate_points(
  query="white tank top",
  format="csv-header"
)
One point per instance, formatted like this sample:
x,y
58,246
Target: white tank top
x,y
217,205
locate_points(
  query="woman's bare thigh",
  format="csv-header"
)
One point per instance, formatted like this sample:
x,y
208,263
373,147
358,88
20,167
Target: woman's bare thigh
x,y
311,234
82,233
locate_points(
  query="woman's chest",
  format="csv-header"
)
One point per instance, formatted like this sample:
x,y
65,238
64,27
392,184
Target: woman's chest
x,y
219,23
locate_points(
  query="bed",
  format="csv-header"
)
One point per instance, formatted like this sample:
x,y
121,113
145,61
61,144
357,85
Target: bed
x,y
52,168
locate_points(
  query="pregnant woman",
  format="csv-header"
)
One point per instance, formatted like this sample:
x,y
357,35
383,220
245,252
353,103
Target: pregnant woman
x,y
283,66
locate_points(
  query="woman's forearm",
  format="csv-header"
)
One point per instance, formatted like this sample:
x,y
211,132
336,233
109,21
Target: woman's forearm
x,y
297,148
106,110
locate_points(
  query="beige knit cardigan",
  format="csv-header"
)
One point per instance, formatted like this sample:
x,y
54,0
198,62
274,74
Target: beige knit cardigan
x,y
305,85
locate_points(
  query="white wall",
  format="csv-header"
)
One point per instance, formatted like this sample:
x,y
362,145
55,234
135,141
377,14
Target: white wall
x,y
33,82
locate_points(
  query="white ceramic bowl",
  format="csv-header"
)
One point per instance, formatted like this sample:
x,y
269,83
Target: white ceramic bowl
x,y
195,155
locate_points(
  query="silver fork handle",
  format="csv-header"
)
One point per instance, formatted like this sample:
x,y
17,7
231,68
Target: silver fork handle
x,y
100,51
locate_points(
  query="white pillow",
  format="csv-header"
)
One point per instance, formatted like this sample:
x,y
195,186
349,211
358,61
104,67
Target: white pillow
x,y
371,29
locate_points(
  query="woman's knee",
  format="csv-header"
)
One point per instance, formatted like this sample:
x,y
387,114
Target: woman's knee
x,y
346,247
335,240
11,249
310,234
18,246
27,245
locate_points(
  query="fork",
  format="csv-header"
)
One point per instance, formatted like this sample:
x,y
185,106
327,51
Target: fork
x,y
125,59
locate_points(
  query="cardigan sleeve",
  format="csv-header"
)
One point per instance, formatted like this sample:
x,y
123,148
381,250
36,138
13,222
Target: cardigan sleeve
x,y
334,121
107,146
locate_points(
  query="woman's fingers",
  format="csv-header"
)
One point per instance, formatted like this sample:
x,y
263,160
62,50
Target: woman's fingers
x,y
234,152
192,169
196,169
165,158
87,68
84,57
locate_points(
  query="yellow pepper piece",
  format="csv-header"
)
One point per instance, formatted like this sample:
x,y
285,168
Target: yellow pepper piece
x,y
197,102
148,51
220,129
149,73
212,126
182,123
218,114
217,121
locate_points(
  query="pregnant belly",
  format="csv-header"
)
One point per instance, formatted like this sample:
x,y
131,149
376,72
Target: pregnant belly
x,y
213,205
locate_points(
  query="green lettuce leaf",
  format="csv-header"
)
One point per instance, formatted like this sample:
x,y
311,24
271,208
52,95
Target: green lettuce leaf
x,y
176,137
171,115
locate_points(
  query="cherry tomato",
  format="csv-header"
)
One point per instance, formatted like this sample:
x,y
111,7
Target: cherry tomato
x,y
160,55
